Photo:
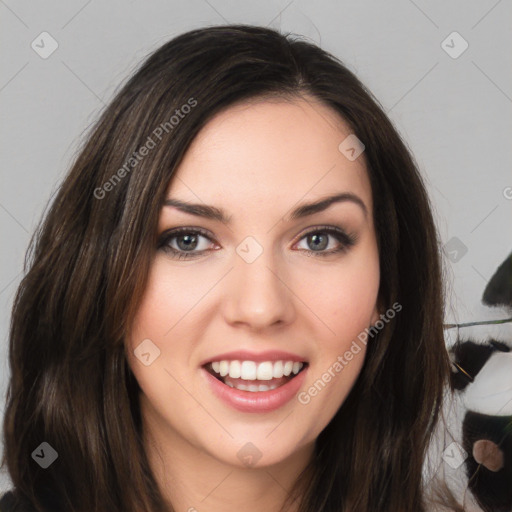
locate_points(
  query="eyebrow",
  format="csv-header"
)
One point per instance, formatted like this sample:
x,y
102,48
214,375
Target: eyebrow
x,y
304,210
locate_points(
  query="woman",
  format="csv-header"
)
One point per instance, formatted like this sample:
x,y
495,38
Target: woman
x,y
235,301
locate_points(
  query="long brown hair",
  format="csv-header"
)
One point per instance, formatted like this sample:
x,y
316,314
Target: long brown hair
x,y
70,383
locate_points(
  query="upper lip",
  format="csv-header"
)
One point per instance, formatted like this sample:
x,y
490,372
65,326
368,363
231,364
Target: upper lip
x,y
245,355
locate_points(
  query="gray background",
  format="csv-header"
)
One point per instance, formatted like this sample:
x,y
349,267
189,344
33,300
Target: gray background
x,y
454,113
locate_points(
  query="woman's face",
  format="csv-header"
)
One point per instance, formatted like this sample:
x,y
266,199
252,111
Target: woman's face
x,y
264,286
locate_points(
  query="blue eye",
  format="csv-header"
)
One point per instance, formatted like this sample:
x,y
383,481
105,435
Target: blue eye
x,y
186,243
319,238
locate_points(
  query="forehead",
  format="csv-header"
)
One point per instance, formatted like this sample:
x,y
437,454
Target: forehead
x,y
270,152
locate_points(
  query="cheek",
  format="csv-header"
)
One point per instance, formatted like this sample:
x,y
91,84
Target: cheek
x,y
344,296
160,309
345,308
352,304
169,297
163,317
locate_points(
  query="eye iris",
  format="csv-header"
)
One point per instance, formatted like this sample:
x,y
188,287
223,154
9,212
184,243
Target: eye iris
x,y
191,242
315,238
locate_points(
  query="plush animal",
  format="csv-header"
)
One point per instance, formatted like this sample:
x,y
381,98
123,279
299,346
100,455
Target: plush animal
x,y
484,375
482,372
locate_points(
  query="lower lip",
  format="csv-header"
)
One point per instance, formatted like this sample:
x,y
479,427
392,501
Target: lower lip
x,y
257,401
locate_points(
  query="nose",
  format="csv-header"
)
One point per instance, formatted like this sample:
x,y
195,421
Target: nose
x,y
258,295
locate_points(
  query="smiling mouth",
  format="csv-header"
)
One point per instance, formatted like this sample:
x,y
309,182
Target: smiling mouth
x,y
255,377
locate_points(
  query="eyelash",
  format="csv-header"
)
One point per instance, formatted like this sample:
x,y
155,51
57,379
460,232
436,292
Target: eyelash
x,y
346,240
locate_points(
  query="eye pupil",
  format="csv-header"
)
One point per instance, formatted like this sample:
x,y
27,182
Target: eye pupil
x,y
190,243
316,238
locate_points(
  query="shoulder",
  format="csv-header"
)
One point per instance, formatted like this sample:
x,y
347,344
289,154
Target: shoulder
x,y
9,503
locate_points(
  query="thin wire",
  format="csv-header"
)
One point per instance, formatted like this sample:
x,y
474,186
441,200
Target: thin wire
x,y
469,324
463,371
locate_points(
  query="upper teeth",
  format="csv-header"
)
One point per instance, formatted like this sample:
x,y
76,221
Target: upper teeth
x,y
250,370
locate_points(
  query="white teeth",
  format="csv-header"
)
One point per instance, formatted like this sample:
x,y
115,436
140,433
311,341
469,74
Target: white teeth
x,y
224,368
288,366
264,371
253,388
250,370
277,371
235,370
